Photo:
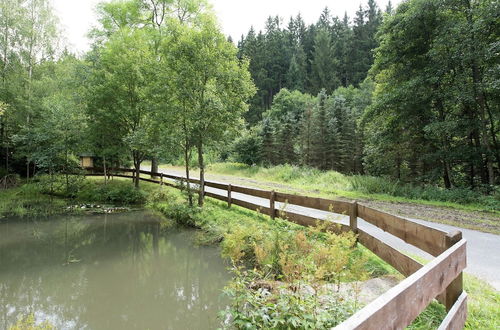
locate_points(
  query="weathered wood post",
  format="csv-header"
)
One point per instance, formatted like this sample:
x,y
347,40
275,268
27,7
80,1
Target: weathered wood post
x,y
229,195
272,203
161,179
353,217
455,289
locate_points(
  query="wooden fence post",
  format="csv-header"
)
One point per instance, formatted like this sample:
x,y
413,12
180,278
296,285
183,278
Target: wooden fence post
x,y
161,179
229,195
455,289
353,217
272,203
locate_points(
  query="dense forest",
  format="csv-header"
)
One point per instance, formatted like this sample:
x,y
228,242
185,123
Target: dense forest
x,y
410,92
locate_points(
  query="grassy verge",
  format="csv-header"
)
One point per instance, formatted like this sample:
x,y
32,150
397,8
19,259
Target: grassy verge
x,y
285,275
216,221
333,183
35,199
483,304
28,201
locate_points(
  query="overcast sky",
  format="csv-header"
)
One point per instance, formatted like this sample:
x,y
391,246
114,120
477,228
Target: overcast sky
x,y
235,16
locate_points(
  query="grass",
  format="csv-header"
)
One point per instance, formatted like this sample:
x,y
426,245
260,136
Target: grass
x,y
483,305
362,187
483,301
280,254
28,201
33,199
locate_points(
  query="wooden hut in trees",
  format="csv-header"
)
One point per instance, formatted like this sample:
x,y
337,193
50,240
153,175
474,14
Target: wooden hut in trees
x,y
86,160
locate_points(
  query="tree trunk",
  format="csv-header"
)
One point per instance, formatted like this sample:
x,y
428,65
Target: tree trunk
x,y
472,173
446,175
201,164
480,99
186,163
493,133
154,167
137,164
105,170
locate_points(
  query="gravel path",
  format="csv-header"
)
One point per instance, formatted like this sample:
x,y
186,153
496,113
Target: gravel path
x,y
483,249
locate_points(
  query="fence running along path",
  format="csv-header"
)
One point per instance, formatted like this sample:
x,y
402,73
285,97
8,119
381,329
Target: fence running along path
x,y
8,181
440,279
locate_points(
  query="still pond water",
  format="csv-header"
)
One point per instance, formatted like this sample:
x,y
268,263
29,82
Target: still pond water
x,y
122,271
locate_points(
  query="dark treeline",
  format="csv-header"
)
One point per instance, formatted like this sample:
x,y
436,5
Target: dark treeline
x,y
332,53
411,93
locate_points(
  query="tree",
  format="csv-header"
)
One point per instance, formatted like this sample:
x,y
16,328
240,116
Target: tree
x,y
324,66
121,78
431,98
213,84
29,38
55,140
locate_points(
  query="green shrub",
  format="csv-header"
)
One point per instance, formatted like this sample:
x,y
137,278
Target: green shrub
x,y
375,185
28,201
285,307
60,185
333,183
180,212
28,323
3,172
117,192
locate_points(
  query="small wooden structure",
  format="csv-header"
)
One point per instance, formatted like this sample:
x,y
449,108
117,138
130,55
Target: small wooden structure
x,y
86,160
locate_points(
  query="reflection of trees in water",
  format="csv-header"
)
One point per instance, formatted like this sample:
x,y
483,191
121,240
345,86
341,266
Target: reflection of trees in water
x,y
131,273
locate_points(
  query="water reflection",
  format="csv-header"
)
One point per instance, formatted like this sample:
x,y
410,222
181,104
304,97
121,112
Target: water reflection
x,y
121,271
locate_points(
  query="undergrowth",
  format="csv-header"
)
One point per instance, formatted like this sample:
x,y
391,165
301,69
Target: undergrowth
x,y
285,276
46,196
361,186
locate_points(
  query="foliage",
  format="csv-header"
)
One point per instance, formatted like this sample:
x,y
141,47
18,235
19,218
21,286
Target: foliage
x,y
322,132
58,185
279,254
334,183
28,201
434,117
287,309
332,52
114,192
47,196
28,323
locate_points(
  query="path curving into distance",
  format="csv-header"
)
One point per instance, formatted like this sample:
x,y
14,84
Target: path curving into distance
x,y
483,249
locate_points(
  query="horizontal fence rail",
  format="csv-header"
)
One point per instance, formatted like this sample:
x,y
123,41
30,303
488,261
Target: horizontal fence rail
x,y
440,279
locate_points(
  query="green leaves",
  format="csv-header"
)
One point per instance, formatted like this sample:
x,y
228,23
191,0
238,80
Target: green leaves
x,y
429,113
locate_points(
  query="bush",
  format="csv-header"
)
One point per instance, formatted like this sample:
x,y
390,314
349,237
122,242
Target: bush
x,y
179,212
27,201
118,193
285,308
60,185
3,172
28,323
375,185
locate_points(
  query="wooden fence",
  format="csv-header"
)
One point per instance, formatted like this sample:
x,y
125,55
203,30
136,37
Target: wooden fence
x,y
8,181
440,279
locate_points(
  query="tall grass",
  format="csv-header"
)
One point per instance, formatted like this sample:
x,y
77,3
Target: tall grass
x,y
336,183
35,199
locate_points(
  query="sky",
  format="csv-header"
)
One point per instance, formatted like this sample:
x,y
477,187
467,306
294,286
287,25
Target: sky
x,y
235,16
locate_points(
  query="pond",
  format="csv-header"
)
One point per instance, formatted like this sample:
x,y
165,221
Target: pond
x,y
120,271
